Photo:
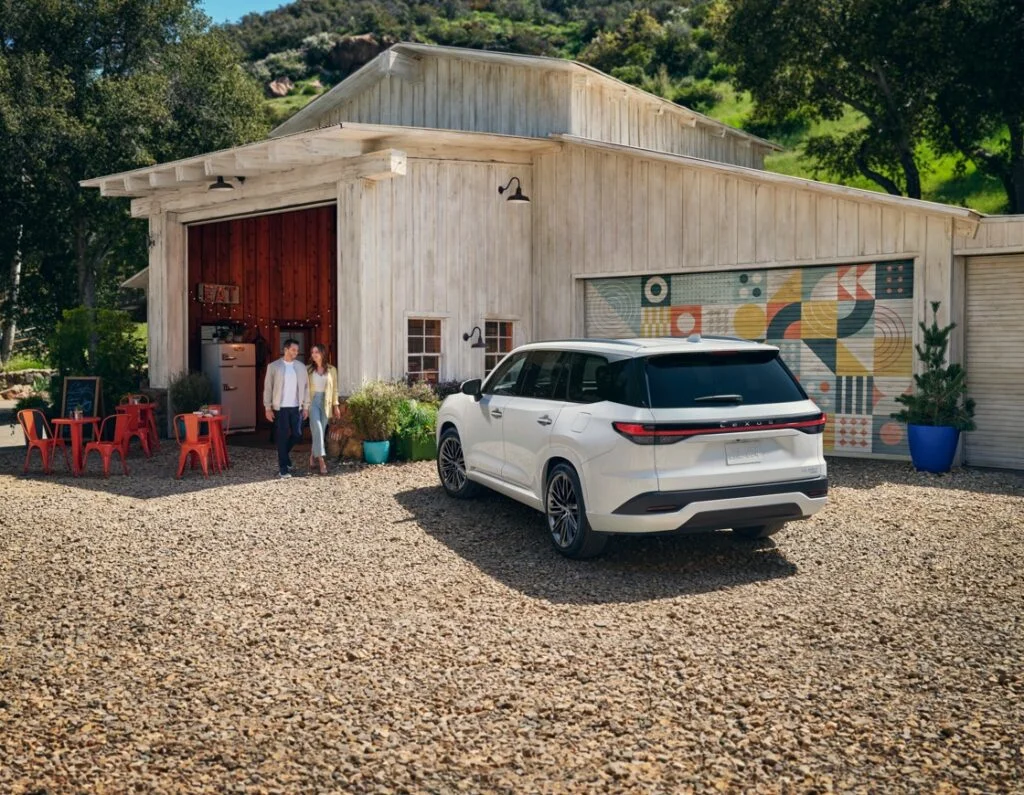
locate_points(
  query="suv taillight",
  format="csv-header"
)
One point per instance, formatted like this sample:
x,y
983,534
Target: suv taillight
x,y
669,433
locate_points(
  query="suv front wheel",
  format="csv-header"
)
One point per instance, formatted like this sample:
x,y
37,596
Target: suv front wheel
x,y
567,516
451,467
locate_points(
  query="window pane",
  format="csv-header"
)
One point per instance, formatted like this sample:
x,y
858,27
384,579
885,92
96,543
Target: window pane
x,y
542,376
503,380
415,344
432,345
491,328
414,364
416,327
757,377
431,362
432,328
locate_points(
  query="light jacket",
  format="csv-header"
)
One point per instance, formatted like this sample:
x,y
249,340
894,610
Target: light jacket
x,y
273,385
331,396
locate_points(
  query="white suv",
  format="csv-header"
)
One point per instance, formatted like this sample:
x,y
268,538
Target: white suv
x,y
639,436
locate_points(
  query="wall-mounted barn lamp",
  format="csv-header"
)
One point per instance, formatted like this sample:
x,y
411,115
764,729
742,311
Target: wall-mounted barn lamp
x,y
220,184
479,337
517,197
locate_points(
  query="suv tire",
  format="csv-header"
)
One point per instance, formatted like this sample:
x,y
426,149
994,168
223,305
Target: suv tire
x,y
570,531
451,467
758,531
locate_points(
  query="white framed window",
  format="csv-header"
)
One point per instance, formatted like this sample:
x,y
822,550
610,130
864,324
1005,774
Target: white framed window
x,y
498,338
423,344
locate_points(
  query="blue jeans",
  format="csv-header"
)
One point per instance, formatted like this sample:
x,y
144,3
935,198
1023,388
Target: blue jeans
x,y
318,423
288,428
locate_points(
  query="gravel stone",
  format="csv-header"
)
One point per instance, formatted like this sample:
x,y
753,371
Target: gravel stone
x,y
361,632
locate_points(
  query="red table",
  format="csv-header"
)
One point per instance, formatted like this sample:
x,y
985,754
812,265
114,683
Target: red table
x,y
144,416
77,448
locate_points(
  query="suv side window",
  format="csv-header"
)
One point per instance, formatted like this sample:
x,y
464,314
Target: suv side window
x,y
544,376
594,378
505,377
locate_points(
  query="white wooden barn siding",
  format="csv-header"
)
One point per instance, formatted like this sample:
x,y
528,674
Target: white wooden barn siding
x,y
604,110
996,235
438,242
601,213
474,96
995,359
455,94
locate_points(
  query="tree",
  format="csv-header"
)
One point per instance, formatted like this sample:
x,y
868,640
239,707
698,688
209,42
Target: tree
x,y
820,57
979,106
91,87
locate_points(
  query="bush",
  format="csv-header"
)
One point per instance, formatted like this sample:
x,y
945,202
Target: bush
x,y
445,388
419,391
288,63
188,391
374,410
99,342
23,362
33,402
417,420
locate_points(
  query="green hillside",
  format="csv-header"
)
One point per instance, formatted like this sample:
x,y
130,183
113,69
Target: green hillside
x,y
663,48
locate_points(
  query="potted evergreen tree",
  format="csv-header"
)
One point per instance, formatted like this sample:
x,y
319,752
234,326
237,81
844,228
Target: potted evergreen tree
x,y
938,409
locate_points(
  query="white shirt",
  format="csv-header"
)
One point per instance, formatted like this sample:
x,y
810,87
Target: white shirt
x,y
319,382
290,393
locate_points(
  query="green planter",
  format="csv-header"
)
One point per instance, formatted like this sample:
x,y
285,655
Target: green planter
x,y
410,449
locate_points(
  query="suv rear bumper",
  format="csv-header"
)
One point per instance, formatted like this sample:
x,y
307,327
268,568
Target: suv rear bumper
x,y
714,509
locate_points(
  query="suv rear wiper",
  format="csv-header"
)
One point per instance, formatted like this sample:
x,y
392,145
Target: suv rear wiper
x,y
719,399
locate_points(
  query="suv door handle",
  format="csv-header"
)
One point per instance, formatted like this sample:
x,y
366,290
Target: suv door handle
x,y
496,413
545,420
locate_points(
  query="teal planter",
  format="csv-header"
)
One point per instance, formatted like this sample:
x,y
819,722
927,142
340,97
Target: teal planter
x,y
376,452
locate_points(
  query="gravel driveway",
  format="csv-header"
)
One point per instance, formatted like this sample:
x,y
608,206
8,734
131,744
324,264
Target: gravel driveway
x,y
361,632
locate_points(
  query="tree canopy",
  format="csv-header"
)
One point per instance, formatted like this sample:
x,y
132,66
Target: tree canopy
x,y
91,87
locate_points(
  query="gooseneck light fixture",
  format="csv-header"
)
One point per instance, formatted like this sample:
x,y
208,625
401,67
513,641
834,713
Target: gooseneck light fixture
x,y
479,337
222,184
517,197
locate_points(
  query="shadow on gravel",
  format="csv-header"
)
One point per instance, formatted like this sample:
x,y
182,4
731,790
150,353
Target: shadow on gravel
x,y
860,473
509,542
152,478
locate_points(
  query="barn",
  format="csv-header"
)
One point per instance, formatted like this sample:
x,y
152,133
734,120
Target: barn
x,y
372,221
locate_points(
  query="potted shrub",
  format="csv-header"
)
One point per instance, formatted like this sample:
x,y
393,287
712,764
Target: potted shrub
x,y
188,392
416,434
374,412
938,409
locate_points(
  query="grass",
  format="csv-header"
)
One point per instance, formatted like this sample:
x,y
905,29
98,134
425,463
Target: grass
x,y
20,362
282,108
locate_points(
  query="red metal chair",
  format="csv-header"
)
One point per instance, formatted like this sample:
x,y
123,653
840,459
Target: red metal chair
x,y
192,447
32,420
137,428
106,449
225,426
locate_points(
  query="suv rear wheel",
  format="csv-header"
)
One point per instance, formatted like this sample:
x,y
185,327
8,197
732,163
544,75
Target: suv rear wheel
x,y
451,467
759,531
567,516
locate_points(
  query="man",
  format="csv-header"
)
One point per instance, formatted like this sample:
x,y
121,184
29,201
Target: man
x,y
286,395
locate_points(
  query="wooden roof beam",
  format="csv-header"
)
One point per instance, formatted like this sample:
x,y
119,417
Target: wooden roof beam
x,y
163,179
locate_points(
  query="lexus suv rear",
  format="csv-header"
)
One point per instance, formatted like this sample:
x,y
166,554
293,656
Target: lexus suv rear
x,y
639,436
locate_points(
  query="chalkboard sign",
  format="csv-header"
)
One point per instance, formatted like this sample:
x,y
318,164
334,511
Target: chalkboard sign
x,y
82,391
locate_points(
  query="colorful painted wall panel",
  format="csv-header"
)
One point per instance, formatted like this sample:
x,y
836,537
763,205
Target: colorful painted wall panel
x,y
846,331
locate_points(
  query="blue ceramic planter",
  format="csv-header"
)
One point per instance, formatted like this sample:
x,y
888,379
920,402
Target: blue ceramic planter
x,y
376,452
932,448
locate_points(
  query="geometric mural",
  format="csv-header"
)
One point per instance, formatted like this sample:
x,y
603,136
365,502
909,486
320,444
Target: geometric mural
x,y
844,330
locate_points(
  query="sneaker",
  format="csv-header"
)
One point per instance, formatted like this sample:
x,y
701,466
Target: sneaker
x,y
285,475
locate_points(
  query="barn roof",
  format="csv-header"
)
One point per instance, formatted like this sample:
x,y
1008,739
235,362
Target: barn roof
x,y
400,60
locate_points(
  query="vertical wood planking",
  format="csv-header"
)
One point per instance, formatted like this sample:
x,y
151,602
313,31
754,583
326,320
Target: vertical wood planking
x,y
746,212
869,231
848,219
764,210
785,224
805,225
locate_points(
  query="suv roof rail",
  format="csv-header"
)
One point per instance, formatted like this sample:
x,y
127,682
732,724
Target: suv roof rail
x,y
593,339
726,338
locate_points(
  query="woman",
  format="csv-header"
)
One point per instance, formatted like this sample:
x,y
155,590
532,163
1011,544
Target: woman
x,y
323,383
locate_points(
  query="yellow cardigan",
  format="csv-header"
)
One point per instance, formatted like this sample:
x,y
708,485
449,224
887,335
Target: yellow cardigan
x,y
331,397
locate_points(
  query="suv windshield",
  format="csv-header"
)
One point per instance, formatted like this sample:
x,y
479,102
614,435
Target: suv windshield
x,y
697,380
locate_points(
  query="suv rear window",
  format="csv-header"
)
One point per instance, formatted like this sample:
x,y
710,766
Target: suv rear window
x,y
704,380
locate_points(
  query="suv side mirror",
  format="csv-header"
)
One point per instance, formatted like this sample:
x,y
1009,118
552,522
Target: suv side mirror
x,y
472,387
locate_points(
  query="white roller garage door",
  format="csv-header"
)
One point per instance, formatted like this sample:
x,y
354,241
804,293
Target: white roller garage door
x,y
995,360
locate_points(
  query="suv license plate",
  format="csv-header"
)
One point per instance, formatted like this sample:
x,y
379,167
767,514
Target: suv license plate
x,y
742,453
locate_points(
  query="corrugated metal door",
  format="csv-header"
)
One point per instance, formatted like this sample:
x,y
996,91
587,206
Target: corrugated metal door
x,y
994,360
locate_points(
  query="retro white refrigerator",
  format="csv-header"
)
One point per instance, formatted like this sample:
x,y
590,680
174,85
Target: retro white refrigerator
x,y
231,368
